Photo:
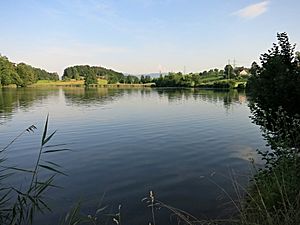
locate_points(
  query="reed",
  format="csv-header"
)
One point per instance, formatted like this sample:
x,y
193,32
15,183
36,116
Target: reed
x,y
19,205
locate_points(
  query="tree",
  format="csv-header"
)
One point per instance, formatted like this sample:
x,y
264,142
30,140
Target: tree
x,y
228,72
254,69
298,58
147,79
7,71
27,75
79,72
277,82
90,78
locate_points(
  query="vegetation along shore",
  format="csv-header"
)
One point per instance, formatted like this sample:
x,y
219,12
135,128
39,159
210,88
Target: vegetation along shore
x,y
23,75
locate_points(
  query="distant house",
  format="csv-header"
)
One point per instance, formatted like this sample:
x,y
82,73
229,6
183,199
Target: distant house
x,y
244,73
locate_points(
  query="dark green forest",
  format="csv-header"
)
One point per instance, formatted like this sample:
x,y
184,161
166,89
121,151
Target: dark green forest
x,y
22,74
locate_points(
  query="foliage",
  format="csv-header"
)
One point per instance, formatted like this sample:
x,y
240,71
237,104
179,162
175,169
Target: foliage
x,y
274,197
254,69
18,205
22,74
277,82
79,72
229,72
213,78
44,75
8,73
26,74
90,78
145,79
130,79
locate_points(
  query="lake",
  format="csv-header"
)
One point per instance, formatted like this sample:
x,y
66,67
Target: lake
x,y
181,144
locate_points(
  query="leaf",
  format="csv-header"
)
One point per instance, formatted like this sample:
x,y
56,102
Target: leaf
x,y
52,163
4,198
48,138
50,146
45,129
101,209
45,205
57,150
67,217
4,176
52,169
50,185
41,187
19,169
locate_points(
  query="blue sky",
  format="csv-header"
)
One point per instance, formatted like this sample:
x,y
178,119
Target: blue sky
x,y
143,36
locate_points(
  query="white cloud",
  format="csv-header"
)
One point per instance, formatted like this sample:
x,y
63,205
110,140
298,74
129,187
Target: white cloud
x,y
253,10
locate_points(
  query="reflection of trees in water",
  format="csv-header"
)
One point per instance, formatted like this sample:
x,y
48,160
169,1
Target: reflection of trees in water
x,y
213,96
100,96
23,98
92,96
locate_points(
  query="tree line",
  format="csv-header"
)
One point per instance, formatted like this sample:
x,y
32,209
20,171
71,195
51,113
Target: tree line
x,y
211,78
91,73
22,74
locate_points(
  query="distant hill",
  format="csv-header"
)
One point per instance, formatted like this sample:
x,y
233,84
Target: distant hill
x,y
80,71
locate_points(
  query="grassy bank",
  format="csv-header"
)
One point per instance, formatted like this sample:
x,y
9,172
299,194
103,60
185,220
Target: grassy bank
x,y
80,83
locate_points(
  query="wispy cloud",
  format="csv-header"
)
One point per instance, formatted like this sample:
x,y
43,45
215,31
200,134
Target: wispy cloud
x,y
253,10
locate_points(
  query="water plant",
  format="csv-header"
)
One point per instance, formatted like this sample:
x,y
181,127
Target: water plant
x,y
19,204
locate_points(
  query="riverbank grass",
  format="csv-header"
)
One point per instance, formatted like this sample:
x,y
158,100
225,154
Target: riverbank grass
x,y
274,196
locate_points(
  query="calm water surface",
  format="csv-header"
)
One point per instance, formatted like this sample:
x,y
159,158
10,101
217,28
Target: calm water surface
x,y
127,142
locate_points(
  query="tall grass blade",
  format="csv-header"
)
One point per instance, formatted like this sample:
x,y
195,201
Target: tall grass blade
x,y
52,169
45,129
56,150
48,138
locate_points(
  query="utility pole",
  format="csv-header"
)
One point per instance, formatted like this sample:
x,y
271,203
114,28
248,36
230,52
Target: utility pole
x,y
184,70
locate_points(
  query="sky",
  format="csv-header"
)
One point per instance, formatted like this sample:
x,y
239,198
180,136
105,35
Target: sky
x,y
143,36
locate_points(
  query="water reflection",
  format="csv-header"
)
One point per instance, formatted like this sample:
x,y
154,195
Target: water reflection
x,y
213,96
23,98
91,96
12,99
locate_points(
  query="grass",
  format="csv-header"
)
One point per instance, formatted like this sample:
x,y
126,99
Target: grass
x,y
64,83
274,196
57,83
19,205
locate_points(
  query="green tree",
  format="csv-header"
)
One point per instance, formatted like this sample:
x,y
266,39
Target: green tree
x,y
229,72
26,74
147,79
90,78
277,82
7,71
254,69
298,58
79,72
